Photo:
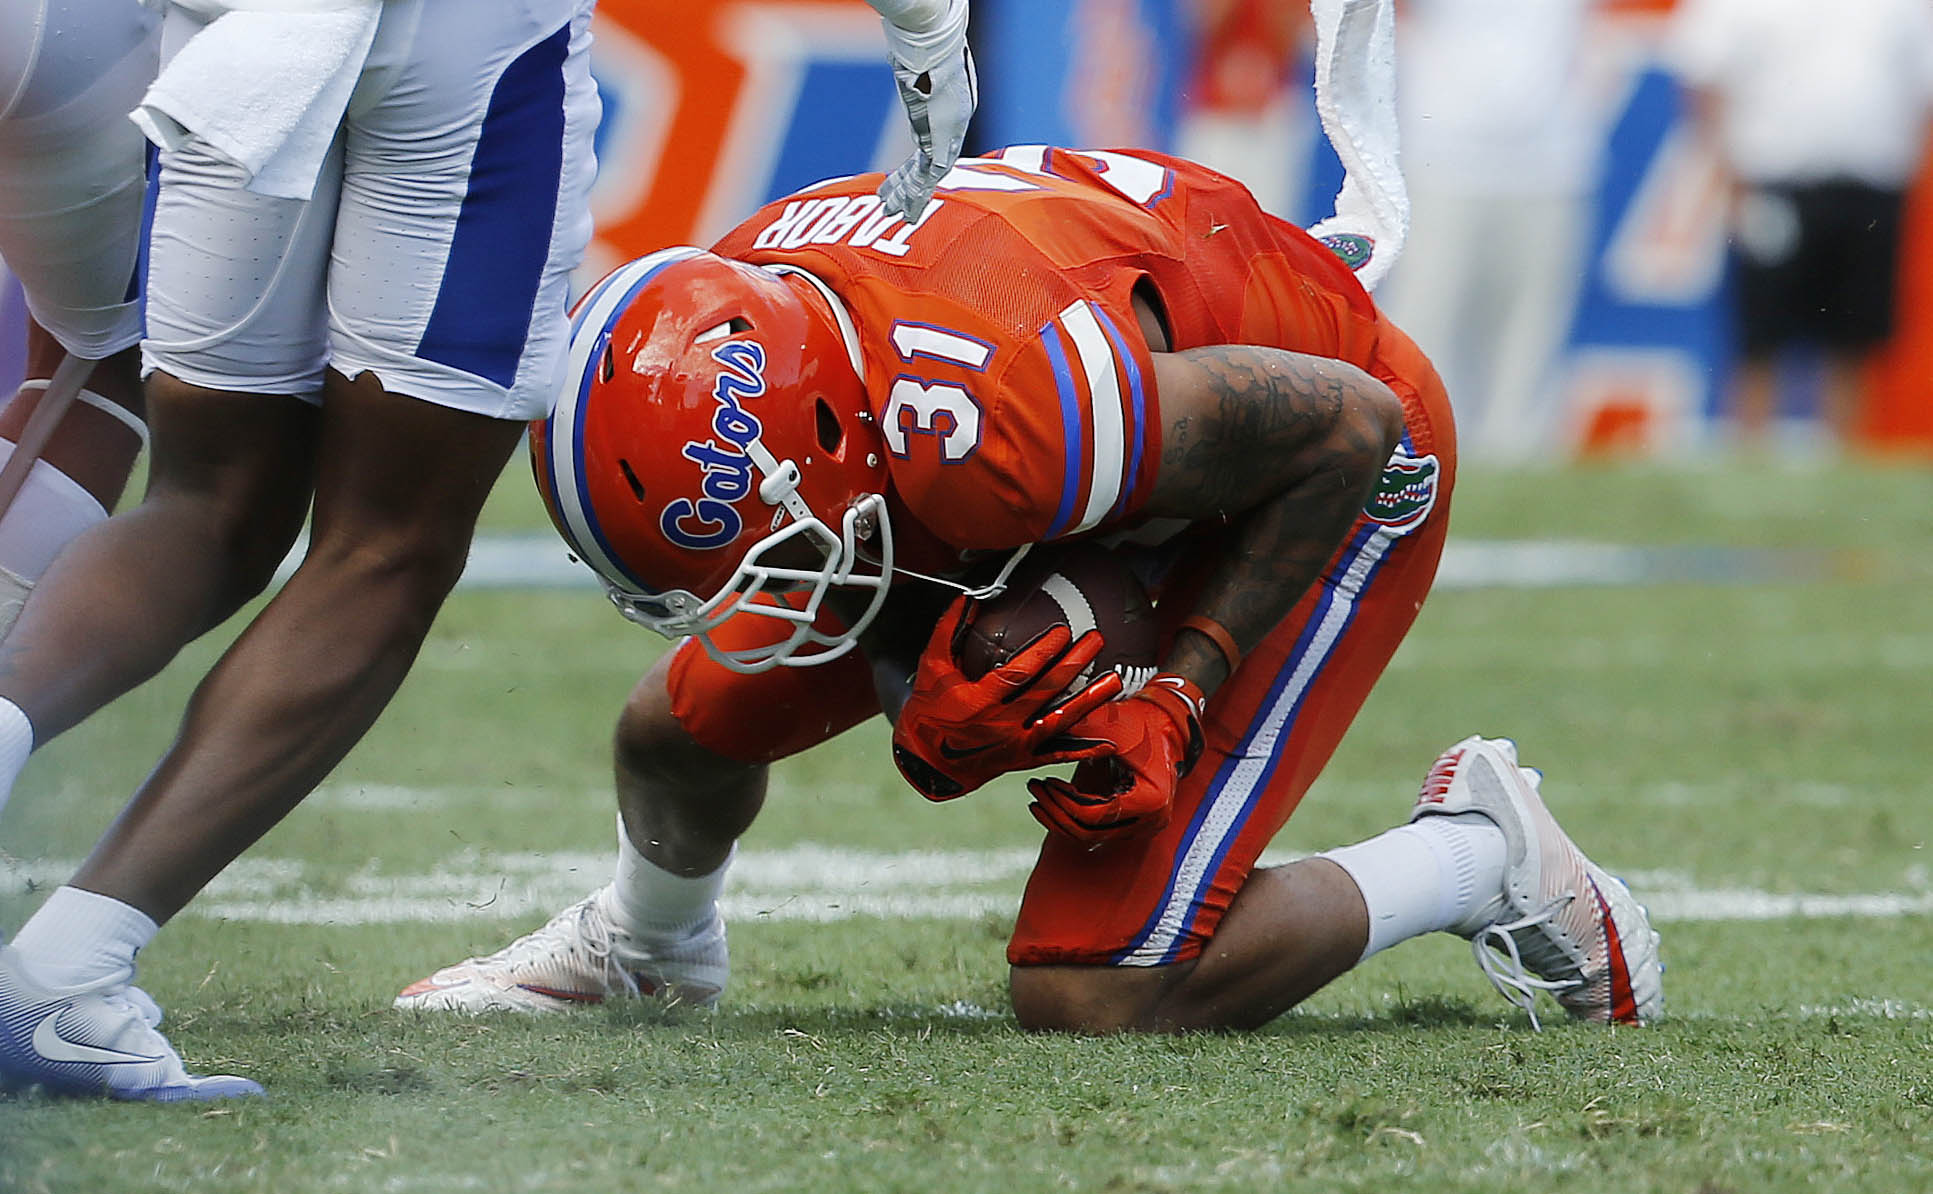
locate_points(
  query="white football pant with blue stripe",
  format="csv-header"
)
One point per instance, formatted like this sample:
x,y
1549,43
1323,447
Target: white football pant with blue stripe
x,y
438,246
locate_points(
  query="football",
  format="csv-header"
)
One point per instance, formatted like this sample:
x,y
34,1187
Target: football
x,y
1083,587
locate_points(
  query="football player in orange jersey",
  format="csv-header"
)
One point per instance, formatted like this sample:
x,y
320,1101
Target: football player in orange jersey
x,y
797,447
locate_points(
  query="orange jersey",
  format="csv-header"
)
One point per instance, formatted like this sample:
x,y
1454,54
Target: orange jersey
x,y
1015,392
1005,364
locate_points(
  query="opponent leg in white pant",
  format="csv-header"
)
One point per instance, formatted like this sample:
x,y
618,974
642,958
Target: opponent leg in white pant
x,y
375,349
72,173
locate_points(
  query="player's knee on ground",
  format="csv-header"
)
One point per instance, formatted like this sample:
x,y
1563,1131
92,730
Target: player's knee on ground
x,y
1096,1000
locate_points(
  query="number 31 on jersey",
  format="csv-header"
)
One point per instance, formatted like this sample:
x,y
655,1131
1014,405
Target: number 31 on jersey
x,y
923,405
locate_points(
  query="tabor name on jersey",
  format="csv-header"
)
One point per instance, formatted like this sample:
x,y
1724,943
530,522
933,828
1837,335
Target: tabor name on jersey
x,y
854,219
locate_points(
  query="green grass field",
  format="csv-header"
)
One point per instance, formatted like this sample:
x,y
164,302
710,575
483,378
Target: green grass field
x,y
1743,735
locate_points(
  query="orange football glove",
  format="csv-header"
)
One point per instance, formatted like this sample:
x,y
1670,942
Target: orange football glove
x,y
955,734
1131,755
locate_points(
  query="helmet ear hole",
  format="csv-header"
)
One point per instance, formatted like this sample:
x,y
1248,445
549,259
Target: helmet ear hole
x,y
832,433
606,368
737,325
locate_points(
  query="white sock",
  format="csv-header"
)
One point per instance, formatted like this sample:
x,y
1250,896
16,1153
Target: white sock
x,y
16,743
1426,876
658,907
79,938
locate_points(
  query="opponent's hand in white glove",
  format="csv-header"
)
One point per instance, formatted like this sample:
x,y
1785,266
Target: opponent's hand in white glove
x,y
934,70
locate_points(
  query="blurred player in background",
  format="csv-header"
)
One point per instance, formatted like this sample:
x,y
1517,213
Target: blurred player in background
x,y
1501,149
367,219
1817,111
798,446
72,174
1241,117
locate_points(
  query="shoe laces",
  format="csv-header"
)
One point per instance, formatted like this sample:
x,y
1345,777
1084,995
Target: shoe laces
x,y
582,930
1516,970
1436,785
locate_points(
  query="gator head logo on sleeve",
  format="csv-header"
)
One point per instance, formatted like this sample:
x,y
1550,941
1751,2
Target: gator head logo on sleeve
x,y
1406,492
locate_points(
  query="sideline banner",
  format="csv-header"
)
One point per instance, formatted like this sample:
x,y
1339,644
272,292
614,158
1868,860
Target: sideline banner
x,y
1901,415
713,107
1084,73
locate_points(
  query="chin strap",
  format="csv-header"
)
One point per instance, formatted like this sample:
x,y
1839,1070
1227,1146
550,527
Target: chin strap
x,y
779,482
991,589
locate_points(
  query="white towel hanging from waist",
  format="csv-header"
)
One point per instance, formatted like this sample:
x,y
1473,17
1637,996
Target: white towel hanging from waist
x,y
264,84
1356,99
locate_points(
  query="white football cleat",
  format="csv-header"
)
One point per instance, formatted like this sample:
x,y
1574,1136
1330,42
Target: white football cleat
x,y
579,958
99,1040
1561,923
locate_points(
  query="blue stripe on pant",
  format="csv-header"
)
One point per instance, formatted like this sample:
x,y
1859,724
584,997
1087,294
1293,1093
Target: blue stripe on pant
x,y
1230,799
501,245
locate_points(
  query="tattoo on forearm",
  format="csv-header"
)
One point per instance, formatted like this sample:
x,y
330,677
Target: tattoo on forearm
x,y
1290,453
1267,404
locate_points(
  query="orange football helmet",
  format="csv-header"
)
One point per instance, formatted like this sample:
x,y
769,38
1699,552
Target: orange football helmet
x,y
713,453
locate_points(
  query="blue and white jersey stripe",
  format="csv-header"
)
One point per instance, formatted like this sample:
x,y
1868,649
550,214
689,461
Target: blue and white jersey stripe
x,y
1103,452
1104,405
1137,408
1072,441
563,464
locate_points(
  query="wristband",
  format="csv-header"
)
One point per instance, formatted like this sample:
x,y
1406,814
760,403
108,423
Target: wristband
x,y
1217,634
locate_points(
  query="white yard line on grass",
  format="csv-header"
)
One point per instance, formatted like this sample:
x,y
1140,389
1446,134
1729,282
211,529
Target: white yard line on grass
x,y
813,883
1869,1009
539,560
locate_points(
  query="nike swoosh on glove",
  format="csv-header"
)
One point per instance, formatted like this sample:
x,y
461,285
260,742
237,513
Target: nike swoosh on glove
x,y
955,734
934,71
1131,755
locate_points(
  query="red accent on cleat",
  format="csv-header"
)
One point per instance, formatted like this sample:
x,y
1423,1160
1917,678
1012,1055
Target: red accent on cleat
x,y
1624,1001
